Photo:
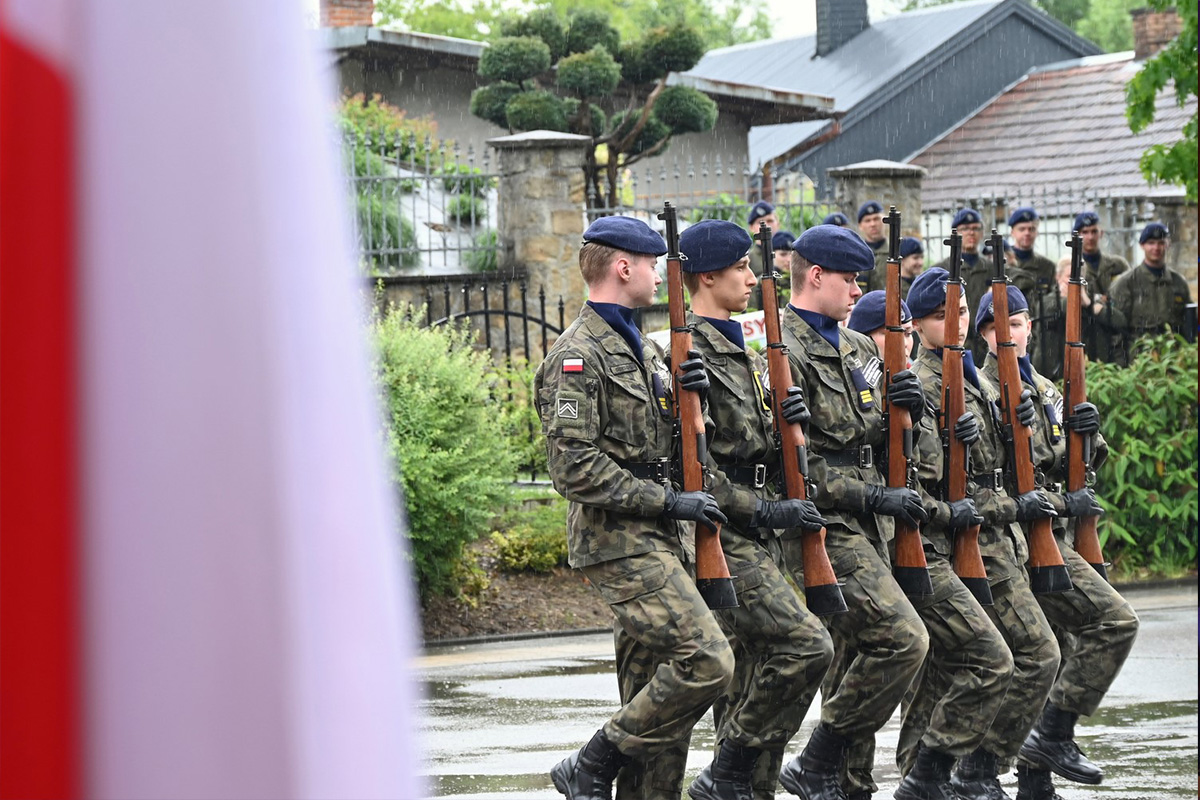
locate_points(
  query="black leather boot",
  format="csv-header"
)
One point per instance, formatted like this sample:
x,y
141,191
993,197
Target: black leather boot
x,y
1035,784
1051,745
861,795
589,774
729,776
976,777
815,774
929,779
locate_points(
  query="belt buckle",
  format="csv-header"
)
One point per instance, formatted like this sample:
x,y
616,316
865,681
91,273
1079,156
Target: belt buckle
x,y
997,479
662,470
866,457
760,476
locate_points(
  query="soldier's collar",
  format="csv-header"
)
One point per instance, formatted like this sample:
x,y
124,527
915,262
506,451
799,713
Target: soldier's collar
x,y
714,335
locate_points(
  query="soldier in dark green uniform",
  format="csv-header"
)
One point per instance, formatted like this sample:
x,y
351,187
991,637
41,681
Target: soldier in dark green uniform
x,y
1102,625
1151,294
1033,274
782,650
976,271
912,263
870,228
836,218
761,212
1014,612
880,642
602,392
1100,327
968,669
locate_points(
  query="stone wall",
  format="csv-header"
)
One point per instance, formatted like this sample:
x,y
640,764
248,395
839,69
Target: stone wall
x,y
1180,218
889,182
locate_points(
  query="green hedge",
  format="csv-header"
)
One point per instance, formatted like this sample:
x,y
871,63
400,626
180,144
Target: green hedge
x,y
532,537
1148,484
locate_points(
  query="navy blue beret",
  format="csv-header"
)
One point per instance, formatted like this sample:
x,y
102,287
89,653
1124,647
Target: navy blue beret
x,y
869,312
987,246
986,312
1085,219
928,291
760,209
626,233
1022,214
1154,230
869,207
713,244
782,240
835,248
910,245
966,216
837,218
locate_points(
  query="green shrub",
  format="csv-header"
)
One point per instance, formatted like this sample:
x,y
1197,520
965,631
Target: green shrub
x,y
488,102
483,256
591,74
1148,484
533,539
383,227
571,108
465,178
536,110
586,29
542,23
653,132
387,127
724,206
635,67
446,437
677,48
685,110
466,209
515,59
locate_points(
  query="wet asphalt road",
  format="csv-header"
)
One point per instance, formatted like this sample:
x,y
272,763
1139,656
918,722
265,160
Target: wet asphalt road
x,y
498,716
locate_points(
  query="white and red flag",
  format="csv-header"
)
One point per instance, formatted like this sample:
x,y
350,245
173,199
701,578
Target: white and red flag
x,y
202,587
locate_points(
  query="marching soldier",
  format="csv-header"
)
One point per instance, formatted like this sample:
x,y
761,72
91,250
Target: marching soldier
x,y
880,642
1151,294
1102,624
836,218
870,227
601,391
868,319
1102,268
976,271
782,651
1014,612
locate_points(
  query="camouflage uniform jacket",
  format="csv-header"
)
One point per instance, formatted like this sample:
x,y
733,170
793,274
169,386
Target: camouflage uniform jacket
x,y
1033,275
1147,301
838,423
740,412
598,408
1100,277
978,281
876,278
998,509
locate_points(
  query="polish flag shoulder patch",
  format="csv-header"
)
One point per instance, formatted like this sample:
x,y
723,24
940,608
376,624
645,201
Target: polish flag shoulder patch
x,y
572,365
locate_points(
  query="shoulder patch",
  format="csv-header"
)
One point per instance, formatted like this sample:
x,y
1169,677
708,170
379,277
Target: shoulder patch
x,y
872,371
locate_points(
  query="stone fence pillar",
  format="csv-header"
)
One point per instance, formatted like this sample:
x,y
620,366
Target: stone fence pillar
x,y
1180,218
889,182
542,211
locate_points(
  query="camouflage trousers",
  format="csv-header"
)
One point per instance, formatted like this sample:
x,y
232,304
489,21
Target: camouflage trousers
x,y
1102,626
672,662
781,652
1020,620
963,682
879,645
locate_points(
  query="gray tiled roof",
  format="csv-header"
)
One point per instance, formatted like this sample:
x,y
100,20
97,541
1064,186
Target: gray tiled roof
x,y
1061,125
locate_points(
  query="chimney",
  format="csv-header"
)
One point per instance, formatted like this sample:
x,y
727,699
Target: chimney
x,y
838,21
1152,30
347,13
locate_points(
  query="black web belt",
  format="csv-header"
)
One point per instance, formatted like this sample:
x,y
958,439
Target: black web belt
x,y
753,475
658,470
863,457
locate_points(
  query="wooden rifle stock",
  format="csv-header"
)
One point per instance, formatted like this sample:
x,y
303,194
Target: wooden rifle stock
x,y
967,561
712,573
1047,573
822,592
910,569
1079,446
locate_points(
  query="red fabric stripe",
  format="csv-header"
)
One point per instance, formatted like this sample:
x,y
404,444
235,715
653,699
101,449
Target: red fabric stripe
x,y
40,696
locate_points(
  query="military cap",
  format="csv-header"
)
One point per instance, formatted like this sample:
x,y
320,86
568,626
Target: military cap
x,y
625,233
868,313
910,245
713,244
837,218
1022,214
782,240
834,248
966,216
1154,230
987,246
869,207
1085,219
986,312
928,291
760,209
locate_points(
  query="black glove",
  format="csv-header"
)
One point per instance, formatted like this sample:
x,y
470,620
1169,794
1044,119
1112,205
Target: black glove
x,y
699,507
692,375
1034,505
787,514
966,430
903,504
905,390
963,514
1026,411
1082,503
794,410
1084,418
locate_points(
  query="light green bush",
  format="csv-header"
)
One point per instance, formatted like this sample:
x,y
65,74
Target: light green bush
x,y
533,539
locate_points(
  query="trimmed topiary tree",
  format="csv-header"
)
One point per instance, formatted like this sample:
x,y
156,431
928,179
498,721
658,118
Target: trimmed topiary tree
x,y
589,64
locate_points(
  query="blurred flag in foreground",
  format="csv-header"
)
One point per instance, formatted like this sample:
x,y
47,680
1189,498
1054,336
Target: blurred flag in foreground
x,y
201,589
